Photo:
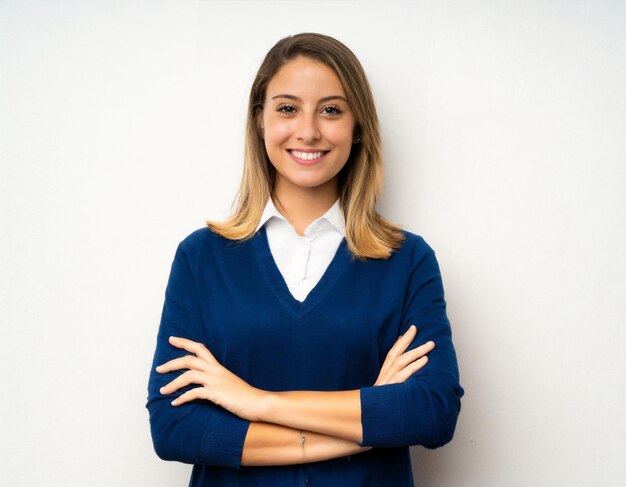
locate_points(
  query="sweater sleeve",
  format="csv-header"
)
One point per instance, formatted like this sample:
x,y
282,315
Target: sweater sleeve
x,y
197,432
423,410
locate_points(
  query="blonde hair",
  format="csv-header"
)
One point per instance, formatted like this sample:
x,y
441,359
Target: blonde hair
x,y
368,234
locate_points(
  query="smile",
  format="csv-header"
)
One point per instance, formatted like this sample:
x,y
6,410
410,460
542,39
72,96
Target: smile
x,y
307,157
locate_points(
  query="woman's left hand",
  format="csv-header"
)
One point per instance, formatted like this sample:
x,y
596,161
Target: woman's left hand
x,y
219,385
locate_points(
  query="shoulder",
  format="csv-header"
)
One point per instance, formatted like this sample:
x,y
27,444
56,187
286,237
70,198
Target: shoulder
x,y
200,240
198,237
415,246
421,259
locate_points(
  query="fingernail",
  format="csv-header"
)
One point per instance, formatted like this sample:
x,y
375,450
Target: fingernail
x,y
159,368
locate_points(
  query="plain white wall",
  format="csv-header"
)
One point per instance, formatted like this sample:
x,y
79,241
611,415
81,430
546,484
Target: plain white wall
x,y
121,129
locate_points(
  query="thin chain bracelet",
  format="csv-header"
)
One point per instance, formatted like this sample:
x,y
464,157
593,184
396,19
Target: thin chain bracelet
x,y
302,438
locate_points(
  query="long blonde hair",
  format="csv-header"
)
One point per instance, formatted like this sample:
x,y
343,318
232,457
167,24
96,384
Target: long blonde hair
x,y
368,234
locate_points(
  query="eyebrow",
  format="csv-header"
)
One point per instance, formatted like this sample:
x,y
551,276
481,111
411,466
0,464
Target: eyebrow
x,y
321,100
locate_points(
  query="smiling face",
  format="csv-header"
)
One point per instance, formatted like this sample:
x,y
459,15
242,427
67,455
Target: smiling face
x,y
307,124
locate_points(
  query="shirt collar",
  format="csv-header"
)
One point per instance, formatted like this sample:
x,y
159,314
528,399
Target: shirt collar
x,y
269,212
334,216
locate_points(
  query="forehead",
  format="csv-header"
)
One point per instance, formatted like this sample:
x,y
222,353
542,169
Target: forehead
x,y
305,78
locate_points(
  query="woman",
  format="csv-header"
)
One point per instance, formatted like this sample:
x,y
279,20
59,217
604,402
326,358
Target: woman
x,y
305,340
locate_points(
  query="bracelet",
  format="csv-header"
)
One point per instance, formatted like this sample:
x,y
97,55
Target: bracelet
x,y
302,438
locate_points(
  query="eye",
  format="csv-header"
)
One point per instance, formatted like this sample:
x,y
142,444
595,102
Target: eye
x,y
286,108
331,110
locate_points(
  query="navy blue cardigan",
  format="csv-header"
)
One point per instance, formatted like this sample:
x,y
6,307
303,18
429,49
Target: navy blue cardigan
x,y
231,296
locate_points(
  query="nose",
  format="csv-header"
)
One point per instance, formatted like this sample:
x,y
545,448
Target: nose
x,y
308,130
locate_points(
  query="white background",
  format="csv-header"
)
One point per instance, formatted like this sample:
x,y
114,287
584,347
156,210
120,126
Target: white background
x,y
121,128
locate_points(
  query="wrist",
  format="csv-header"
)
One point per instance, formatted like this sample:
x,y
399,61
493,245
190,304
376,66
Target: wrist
x,y
263,405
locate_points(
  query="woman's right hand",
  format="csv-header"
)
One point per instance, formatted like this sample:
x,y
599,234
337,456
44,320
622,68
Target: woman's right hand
x,y
399,366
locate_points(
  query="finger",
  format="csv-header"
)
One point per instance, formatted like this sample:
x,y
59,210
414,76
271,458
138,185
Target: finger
x,y
189,377
398,374
394,352
394,365
190,395
194,347
403,341
382,378
186,362
415,353
408,371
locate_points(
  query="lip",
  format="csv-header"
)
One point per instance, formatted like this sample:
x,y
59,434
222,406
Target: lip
x,y
307,162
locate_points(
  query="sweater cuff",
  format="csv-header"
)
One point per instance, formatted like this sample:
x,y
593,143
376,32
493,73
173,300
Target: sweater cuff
x,y
377,404
222,442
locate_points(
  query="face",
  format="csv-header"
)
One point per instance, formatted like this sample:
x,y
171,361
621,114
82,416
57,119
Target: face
x,y
308,125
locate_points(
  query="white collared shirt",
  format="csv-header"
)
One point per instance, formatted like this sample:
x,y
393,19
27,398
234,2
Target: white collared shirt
x,y
302,260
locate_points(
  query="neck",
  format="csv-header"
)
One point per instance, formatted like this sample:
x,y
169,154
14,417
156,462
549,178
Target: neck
x,y
300,205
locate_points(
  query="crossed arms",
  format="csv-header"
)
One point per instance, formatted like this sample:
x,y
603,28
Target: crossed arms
x,y
330,421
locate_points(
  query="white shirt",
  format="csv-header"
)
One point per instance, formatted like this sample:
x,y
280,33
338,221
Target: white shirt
x,y
302,260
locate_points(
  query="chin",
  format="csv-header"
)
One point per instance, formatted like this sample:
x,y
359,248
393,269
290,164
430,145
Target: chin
x,y
308,184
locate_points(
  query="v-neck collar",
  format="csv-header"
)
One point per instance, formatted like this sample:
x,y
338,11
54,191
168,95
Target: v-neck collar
x,y
276,281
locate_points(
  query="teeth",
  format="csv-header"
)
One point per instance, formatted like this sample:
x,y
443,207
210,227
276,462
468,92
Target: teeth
x,y
307,156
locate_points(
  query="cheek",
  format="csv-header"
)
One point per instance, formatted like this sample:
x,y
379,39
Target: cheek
x,y
276,133
340,135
